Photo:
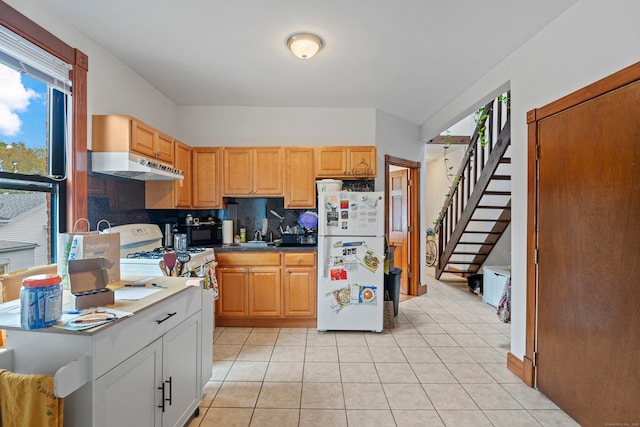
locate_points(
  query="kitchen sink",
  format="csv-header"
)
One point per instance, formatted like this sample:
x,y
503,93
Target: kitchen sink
x,y
255,243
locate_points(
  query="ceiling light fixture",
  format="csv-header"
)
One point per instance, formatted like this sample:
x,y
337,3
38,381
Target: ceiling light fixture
x,y
304,45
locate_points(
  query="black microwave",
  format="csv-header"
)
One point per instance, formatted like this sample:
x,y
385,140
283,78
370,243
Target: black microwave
x,y
203,234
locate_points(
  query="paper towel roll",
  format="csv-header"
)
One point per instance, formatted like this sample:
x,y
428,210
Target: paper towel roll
x,y
227,231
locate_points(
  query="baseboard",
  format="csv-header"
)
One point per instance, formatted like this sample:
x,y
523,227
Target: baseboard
x,y
522,368
422,289
266,322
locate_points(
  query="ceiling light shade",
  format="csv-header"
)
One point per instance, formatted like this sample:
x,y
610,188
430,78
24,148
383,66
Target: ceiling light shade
x,y
304,45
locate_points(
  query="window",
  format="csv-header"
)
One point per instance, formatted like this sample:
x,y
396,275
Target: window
x,y
35,103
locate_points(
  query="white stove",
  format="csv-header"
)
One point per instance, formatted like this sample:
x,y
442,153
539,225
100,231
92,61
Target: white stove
x,y
141,252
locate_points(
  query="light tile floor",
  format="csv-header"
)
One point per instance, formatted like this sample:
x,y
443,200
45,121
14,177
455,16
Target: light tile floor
x,y
444,364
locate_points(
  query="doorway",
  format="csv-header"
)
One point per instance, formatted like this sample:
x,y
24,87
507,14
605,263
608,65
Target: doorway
x,y
583,297
402,204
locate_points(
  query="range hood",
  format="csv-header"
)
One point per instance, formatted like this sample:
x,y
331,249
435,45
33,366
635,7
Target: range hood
x,y
133,166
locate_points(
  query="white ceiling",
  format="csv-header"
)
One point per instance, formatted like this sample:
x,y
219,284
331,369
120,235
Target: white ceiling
x,y
405,57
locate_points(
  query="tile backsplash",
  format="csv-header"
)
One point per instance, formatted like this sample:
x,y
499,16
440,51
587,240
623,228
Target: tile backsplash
x,y
121,201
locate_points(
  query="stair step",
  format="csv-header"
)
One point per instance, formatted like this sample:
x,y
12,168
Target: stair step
x,y
497,193
489,220
502,177
505,160
476,243
469,253
493,207
464,262
459,271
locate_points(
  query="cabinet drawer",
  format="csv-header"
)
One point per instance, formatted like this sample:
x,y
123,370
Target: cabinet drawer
x,y
307,259
131,334
249,258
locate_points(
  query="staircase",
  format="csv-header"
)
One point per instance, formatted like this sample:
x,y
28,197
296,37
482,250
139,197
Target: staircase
x,y
478,206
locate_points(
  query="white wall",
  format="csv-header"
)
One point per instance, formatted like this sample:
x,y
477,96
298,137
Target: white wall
x,y
113,88
262,126
437,182
591,40
399,138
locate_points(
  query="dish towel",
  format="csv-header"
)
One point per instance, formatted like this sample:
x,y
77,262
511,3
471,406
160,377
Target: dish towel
x,y
28,401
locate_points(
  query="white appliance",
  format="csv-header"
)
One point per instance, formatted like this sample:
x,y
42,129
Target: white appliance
x,y
133,166
141,251
350,260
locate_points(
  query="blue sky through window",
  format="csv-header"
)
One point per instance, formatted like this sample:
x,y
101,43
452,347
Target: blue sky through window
x,y
23,109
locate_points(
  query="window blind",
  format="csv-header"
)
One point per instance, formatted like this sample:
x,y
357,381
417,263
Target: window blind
x,y
25,57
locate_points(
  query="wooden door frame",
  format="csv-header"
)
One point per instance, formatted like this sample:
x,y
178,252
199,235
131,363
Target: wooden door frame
x,y
527,369
413,216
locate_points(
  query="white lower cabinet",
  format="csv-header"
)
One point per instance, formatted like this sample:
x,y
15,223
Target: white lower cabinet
x,y
145,370
157,386
181,372
128,392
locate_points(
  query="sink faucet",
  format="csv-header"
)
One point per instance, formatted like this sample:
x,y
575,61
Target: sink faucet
x,y
258,235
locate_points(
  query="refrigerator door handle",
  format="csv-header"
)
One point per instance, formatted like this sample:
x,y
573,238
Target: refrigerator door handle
x,y
327,257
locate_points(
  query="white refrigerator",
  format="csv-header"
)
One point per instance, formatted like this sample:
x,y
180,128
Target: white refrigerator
x,y
350,261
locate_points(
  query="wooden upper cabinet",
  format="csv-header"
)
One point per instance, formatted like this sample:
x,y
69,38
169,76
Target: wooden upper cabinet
x,y
172,194
363,162
123,133
206,178
142,136
346,162
331,162
164,147
182,188
238,175
299,178
252,171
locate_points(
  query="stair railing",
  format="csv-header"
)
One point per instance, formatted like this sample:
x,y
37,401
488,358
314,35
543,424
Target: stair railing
x,y
492,119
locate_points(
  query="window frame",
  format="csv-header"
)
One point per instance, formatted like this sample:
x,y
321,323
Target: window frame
x,y
73,204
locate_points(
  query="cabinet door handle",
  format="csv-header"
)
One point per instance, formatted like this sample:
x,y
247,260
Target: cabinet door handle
x,y
163,399
170,389
170,315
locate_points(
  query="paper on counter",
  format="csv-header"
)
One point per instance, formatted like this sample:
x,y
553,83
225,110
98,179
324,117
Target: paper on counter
x,y
67,320
133,293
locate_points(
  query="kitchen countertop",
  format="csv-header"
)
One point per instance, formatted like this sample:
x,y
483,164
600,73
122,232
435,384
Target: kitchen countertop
x,y
249,248
173,286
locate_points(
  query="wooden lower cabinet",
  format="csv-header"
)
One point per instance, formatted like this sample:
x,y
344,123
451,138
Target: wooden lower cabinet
x,y
299,285
264,291
268,289
232,291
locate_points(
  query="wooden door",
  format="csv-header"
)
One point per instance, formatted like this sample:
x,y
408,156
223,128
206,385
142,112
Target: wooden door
x,y
398,224
588,216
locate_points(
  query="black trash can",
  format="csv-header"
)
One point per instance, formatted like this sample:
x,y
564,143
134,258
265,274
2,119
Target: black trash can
x,y
476,284
392,285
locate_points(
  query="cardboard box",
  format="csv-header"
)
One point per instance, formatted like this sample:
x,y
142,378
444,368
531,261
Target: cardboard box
x,y
88,279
